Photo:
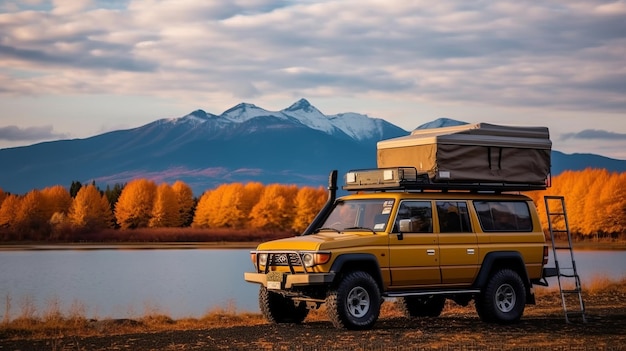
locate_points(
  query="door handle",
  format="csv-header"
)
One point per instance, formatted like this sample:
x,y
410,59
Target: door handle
x,y
430,252
470,251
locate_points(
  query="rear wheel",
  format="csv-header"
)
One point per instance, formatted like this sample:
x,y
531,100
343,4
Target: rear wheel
x,y
503,299
355,303
421,306
277,308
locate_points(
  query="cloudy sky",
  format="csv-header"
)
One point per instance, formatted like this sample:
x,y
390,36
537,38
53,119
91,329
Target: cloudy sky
x,y
77,68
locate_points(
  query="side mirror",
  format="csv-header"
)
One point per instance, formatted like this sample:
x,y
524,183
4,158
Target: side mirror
x,y
404,225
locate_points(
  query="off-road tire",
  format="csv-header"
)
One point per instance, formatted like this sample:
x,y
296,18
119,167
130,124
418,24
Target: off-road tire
x,y
355,302
503,299
421,306
277,308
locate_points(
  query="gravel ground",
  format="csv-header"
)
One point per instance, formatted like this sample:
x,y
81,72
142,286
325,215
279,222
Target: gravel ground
x,y
542,328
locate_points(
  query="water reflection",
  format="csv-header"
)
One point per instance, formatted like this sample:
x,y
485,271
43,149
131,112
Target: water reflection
x,y
179,283
126,283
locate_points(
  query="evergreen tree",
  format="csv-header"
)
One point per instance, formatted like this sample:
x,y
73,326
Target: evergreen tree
x,y
74,188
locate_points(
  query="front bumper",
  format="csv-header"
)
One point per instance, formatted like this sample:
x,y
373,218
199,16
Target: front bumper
x,y
282,280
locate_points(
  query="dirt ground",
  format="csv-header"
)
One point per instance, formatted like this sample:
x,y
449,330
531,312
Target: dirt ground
x,y
543,327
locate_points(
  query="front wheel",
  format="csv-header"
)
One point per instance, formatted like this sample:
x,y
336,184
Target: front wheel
x,y
277,308
355,303
503,299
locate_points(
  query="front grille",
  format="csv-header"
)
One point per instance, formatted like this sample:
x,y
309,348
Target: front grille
x,y
284,259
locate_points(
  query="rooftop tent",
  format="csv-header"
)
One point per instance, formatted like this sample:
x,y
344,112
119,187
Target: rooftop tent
x,y
474,152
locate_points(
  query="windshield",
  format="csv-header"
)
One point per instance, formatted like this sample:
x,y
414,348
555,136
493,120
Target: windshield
x,y
372,214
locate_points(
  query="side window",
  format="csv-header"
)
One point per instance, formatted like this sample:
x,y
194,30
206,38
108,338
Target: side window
x,y
504,216
453,217
419,212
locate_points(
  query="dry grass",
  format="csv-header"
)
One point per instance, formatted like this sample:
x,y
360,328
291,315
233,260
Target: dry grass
x,y
53,323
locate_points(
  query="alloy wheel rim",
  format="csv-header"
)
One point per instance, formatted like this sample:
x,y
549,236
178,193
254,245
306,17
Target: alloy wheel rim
x,y
358,302
505,298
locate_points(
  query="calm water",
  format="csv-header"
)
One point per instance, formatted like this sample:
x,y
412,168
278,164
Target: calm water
x,y
179,283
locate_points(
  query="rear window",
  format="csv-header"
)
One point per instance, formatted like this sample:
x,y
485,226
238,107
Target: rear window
x,y
503,216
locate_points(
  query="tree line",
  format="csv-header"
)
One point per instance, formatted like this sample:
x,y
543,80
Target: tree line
x,y
50,213
595,202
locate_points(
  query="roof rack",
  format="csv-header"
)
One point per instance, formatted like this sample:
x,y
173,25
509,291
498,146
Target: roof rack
x,y
409,179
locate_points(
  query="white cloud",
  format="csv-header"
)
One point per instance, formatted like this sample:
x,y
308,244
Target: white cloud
x,y
68,7
557,54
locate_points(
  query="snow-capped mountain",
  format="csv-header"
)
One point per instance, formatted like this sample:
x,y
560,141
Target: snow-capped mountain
x,y
297,145
356,126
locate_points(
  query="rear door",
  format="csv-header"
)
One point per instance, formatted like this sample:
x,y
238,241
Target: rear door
x,y
457,243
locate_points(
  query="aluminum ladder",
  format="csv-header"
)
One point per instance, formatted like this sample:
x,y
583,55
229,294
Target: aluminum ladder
x,y
566,273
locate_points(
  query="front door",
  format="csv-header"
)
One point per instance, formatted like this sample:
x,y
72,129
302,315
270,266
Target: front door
x,y
414,254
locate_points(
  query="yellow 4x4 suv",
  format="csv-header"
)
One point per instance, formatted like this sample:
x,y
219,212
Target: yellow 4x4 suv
x,y
407,239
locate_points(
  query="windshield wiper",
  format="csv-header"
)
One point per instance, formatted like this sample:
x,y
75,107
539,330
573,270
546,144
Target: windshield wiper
x,y
361,228
327,228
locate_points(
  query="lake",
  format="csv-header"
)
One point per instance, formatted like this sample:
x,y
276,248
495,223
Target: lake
x,y
176,282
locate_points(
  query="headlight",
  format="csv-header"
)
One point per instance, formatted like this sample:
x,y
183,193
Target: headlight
x,y
311,259
262,259
308,259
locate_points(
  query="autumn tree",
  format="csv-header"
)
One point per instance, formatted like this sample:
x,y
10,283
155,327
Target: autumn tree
x,y
202,213
185,203
90,209
10,206
275,209
613,201
56,200
134,206
209,207
596,195
165,212
30,218
595,202
231,214
309,201
3,195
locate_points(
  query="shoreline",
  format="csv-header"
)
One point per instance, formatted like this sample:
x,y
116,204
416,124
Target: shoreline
x,y
227,245
127,246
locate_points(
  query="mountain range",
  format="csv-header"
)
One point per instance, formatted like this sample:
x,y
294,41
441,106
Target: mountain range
x,y
297,145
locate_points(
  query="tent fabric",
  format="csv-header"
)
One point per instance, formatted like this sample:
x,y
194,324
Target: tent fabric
x,y
475,152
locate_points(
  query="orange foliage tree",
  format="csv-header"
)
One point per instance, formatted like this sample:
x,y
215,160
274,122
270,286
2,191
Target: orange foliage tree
x,y
309,201
3,196
185,203
10,206
57,199
221,207
30,218
134,206
165,212
595,201
208,208
90,209
230,213
201,214
275,209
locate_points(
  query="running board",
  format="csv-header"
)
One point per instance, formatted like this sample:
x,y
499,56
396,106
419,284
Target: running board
x,y
432,292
